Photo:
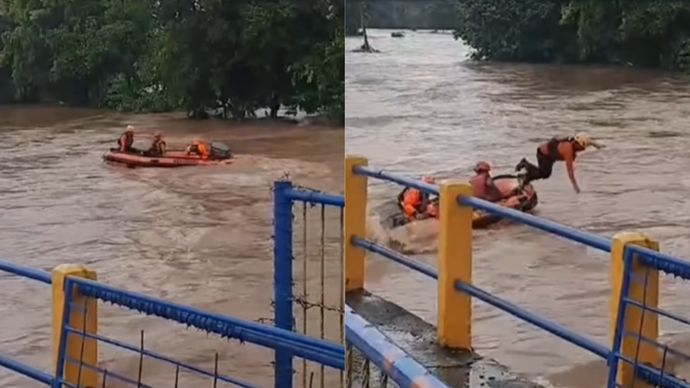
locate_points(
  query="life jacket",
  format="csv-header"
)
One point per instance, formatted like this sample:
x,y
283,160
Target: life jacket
x,y
199,148
158,146
203,150
553,144
125,141
483,189
411,201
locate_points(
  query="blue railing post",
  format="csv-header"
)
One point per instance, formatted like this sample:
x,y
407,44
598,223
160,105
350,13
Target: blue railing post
x,y
282,276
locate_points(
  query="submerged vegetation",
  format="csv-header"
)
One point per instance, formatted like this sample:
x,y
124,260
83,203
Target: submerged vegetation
x,y
653,33
200,56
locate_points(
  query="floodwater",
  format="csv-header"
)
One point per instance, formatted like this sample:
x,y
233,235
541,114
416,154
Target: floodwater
x,y
197,235
421,107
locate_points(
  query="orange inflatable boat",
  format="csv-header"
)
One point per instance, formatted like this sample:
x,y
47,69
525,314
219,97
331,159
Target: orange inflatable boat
x,y
220,154
525,200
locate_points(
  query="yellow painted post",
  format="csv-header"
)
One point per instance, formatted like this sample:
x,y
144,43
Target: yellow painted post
x,y
355,222
73,345
454,327
648,353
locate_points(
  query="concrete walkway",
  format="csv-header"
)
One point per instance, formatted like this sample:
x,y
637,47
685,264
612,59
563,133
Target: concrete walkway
x,y
458,369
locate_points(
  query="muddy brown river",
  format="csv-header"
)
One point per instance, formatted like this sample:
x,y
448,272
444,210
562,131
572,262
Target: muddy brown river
x,y
420,107
197,235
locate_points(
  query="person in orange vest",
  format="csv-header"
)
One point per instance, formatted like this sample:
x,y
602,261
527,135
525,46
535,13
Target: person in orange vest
x,y
563,149
198,148
158,146
126,141
482,184
414,202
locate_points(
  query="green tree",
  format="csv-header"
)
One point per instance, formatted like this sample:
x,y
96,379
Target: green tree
x,y
642,32
201,56
70,50
510,29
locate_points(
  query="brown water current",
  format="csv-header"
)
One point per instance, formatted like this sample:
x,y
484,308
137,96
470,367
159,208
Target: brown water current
x,y
421,107
196,235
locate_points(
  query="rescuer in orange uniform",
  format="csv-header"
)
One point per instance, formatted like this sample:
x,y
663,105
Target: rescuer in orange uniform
x,y
415,203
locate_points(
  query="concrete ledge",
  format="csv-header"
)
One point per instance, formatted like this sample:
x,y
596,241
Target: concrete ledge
x,y
417,338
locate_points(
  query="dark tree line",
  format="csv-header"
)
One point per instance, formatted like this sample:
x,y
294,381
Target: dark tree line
x,y
653,33
217,56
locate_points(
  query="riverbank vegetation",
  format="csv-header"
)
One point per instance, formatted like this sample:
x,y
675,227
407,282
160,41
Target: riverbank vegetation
x,y
652,33
201,56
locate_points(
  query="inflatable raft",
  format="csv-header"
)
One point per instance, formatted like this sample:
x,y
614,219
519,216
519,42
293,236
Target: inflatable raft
x,y
526,200
220,154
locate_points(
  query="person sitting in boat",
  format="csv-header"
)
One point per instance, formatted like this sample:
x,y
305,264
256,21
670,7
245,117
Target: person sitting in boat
x,y
557,149
198,148
158,146
432,208
414,202
126,141
482,184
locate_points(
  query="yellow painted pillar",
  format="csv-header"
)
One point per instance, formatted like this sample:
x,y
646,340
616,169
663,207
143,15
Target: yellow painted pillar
x,y
355,222
454,327
73,345
648,353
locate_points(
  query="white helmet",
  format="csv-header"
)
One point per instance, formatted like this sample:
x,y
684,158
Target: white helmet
x,y
585,141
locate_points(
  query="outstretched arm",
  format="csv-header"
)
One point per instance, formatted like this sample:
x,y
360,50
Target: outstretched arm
x,y
570,166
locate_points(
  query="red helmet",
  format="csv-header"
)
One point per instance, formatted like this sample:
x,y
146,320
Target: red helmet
x,y
482,167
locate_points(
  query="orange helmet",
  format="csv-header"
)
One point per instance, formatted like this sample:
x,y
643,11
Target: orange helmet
x,y
482,167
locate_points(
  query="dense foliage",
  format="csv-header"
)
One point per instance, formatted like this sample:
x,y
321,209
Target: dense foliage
x,y
201,56
640,32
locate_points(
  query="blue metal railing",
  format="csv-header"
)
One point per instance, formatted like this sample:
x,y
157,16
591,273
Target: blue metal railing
x,y
286,343
26,272
321,351
653,261
26,370
402,368
312,349
401,180
566,232
650,258
486,297
285,195
282,341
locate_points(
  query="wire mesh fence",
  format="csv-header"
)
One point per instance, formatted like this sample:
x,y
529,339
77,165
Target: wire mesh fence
x,y
79,342
143,362
318,284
